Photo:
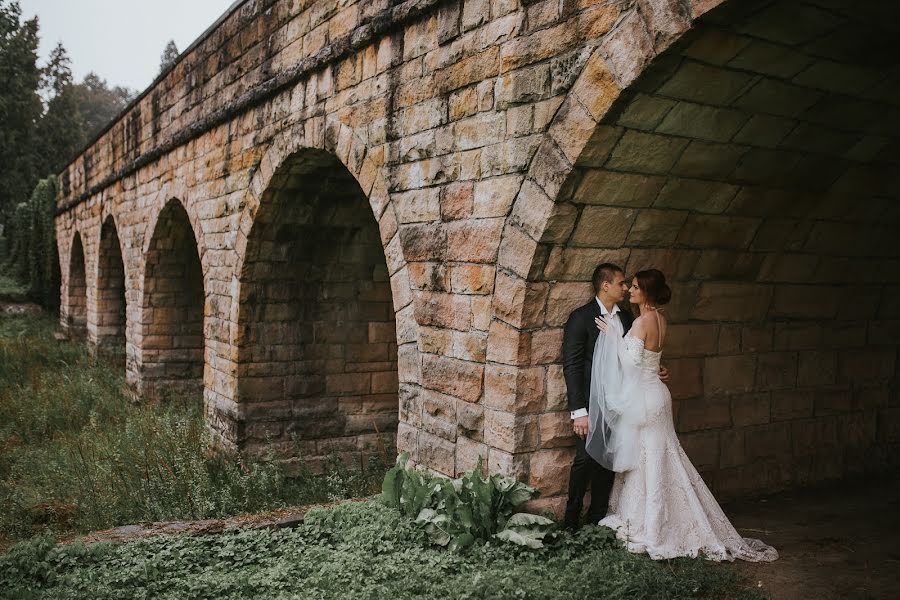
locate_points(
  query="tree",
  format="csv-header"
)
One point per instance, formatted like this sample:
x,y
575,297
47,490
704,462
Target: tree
x,y
98,104
20,106
61,130
168,57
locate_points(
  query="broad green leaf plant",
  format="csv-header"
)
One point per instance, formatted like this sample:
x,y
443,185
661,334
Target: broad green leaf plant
x,y
456,512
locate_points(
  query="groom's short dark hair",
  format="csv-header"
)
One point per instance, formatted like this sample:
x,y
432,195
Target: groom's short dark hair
x,y
605,272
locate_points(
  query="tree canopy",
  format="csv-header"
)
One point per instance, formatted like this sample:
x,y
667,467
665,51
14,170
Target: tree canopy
x,y
46,117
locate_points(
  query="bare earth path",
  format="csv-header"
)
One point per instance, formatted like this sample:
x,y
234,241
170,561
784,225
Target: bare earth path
x,y
834,542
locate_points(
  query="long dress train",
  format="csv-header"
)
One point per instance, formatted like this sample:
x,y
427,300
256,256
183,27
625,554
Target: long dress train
x,y
661,505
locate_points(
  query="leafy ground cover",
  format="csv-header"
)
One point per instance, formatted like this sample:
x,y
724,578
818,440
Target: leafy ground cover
x,y
76,453
354,550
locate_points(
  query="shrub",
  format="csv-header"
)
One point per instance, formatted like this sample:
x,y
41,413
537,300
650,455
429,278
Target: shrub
x,y
32,256
456,512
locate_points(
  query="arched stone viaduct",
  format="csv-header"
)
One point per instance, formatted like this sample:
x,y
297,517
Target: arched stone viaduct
x,y
345,222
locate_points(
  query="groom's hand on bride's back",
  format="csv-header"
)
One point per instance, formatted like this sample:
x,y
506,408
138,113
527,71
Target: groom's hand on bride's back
x,y
664,374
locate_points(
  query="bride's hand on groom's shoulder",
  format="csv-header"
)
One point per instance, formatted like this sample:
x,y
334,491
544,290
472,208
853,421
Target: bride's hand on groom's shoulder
x,y
663,374
602,325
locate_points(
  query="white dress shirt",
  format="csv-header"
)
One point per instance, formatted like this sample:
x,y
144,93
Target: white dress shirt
x,y
615,322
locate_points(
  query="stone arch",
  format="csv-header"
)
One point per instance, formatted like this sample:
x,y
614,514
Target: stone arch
x,y
755,163
172,308
316,332
110,295
76,290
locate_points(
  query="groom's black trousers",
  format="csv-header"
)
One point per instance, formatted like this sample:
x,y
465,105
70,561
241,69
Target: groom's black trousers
x,y
587,472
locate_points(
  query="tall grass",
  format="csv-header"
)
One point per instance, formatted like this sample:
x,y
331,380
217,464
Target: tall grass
x,y
76,453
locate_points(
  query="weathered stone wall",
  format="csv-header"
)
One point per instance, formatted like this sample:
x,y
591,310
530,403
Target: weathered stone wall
x,y
504,147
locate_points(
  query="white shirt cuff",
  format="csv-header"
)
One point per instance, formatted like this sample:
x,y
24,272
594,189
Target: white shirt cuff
x,y
581,412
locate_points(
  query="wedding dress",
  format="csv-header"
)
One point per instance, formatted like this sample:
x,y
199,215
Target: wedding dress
x,y
659,503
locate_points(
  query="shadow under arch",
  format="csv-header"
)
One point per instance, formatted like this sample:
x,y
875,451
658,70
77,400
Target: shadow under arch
x,y
172,309
317,342
76,301
110,296
756,165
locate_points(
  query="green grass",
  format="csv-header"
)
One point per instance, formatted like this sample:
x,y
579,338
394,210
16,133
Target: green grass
x,y
354,550
77,454
12,290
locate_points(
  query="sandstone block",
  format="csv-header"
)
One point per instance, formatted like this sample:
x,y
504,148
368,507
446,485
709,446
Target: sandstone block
x,y
693,194
453,311
451,376
603,226
514,389
685,377
599,186
474,240
731,302
644,112
472,279
529,84
564,298
509,432
470,420
439,454
692,340
548,470
578,264
646,153
776,370
468,453
494,196
423,242
706,84
654,227
555,429
750,409
729,374
508,345
702,447
703,413
702,122
556,388
519,303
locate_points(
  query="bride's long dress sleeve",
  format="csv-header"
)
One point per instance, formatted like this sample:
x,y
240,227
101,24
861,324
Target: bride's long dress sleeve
x,y
659,503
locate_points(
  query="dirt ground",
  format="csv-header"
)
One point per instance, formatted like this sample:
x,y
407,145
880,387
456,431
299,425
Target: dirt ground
x,y
839,541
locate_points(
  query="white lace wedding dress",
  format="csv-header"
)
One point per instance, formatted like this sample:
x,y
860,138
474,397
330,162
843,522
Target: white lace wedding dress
x,y
661,506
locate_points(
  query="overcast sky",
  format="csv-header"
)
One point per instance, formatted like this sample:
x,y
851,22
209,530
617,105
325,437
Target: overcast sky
x,y
120,40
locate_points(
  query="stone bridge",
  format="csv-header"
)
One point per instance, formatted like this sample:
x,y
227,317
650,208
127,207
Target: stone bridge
x,y
361,224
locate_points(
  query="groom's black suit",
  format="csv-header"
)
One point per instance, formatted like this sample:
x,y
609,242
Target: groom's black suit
x,y
579,337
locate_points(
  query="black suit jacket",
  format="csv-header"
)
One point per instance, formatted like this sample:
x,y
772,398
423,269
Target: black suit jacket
x,y
579,337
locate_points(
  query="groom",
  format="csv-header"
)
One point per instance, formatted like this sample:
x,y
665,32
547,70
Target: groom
x,y
579,337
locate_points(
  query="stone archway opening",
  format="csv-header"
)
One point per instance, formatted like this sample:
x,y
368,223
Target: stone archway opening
x,y
76,305
110,293
317,370
172,310
755,162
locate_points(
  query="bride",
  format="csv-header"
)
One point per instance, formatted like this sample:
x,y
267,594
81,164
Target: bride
x,y
659,504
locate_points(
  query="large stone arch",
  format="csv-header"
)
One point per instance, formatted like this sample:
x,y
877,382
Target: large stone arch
x,y
74,316
295,395
110,311
172,308
742,157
